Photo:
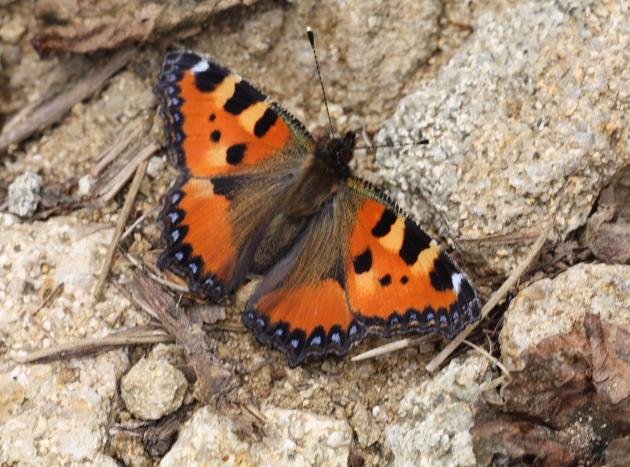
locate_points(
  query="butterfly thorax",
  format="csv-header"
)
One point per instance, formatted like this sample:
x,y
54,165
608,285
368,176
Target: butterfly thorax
x,y
336,153
321,176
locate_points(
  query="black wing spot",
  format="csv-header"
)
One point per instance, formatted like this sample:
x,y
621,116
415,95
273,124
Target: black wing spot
x,y
215,136
442,275
212,117
414,241
404,279
363,262
385,280
208,80
384,225
264,123
236,153
245,95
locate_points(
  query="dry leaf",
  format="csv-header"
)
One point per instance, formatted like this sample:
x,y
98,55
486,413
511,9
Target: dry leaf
x,y
86,26
571,400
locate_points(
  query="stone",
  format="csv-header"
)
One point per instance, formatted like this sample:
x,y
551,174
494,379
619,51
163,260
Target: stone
x,y
55,413
523,124
435,417
554,306
11,31
155,166
24,194
85,185
363,424
153,388
291,438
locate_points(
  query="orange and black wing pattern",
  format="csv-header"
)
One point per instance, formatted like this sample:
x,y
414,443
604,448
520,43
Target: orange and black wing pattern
x,y
361,267
226,138
301,307
398,279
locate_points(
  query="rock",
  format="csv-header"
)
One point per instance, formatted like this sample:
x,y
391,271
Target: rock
x,y
373,74
435,417
153,388
355,42
555,306
11,31
522,122
24,194
85,185
55,413
155,166
363,424
58,413
291,437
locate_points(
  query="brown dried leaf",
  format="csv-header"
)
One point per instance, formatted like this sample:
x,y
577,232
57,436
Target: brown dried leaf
x,y
555,380
504,439
610,346
618,452
86,26
570,400
608,230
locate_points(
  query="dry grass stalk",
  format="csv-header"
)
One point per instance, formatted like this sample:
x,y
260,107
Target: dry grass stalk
x,y
120,225
133,336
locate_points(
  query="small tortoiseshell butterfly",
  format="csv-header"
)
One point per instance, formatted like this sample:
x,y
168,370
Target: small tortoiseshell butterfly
x,y
258,194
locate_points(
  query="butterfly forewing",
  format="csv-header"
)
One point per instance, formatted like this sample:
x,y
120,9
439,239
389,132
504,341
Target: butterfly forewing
x,y
237,151
398,279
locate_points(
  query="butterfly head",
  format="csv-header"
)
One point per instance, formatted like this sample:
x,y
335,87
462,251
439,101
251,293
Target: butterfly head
x,y
336,152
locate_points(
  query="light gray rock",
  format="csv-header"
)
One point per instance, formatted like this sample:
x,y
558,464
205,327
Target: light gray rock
x,y
155,166
292,438
24,194
554,306
435,417
524,124
153,388
55,413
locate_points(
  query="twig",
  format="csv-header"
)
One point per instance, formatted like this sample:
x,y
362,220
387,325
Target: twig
x,y
128,337
140,265
120,224
111,189
493,359
130,134
51,112
390,347
50,299
212,378
135,224
434,364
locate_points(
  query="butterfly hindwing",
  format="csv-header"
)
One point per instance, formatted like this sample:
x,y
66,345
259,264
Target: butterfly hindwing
x,y
237,150
301,306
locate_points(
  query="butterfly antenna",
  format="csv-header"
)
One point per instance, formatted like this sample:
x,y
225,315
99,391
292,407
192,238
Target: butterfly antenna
x,y
311,39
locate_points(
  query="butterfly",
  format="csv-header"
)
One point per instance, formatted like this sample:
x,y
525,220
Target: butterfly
x,y
258,194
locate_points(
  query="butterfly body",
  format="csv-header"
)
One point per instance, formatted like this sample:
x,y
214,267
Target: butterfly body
x,y
258,194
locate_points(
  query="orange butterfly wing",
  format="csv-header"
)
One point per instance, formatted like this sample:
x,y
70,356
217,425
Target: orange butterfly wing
x,y
382,275
398,279
301,307
221,133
